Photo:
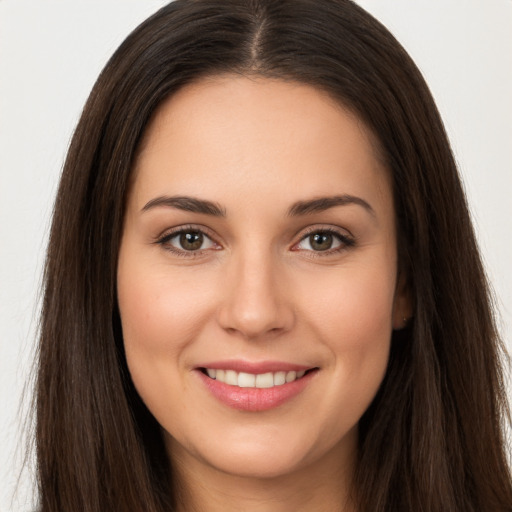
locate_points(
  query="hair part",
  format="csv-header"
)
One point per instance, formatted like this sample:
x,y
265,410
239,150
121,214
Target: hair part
x,y
432,440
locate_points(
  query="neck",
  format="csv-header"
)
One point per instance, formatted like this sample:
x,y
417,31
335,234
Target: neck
x,y
323,485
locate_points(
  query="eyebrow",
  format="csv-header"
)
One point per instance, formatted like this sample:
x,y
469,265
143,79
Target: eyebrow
x,y
307,207
324,203
186,203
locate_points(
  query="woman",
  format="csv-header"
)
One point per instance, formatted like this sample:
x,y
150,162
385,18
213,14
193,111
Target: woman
x,y
263,290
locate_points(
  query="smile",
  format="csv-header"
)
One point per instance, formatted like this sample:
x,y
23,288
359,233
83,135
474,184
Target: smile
x,y
255,387
250,380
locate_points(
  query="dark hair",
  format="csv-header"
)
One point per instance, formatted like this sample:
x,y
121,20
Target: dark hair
x,y
432,440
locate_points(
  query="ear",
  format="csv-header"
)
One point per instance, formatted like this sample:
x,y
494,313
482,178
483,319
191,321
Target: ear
x,y
402,304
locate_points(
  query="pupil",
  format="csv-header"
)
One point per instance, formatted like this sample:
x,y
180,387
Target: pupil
x,y
191,241
321,241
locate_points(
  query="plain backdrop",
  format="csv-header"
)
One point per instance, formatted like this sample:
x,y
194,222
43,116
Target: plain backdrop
x,y
50,55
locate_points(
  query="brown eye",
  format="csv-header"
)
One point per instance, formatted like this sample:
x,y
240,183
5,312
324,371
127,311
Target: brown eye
x,y
191,241
324,241
321,241
187,241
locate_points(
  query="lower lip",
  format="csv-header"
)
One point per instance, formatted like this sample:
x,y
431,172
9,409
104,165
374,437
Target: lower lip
x,y
255,399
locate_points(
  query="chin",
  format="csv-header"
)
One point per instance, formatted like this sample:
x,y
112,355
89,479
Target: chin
x,y
265,454
259,463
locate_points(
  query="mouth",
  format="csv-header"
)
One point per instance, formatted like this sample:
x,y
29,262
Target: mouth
x,y
260,380
255,387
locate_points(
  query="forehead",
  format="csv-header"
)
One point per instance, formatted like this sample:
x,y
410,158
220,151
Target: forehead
x,y
234,136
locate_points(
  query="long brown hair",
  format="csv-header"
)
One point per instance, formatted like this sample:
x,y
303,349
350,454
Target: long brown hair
x,y
433,439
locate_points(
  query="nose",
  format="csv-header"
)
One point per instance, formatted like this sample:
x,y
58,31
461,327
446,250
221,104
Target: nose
x,y
256,303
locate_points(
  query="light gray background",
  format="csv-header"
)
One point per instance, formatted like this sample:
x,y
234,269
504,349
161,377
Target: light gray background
x,y
50,55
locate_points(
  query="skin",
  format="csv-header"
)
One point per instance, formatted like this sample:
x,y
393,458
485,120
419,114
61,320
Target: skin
x,y
259,290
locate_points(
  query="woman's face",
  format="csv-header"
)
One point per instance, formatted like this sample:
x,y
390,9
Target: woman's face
x,y
257,276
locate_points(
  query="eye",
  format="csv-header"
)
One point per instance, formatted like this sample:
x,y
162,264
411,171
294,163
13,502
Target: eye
x,y
187,240
324,241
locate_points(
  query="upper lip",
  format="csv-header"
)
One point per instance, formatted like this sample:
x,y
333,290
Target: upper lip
x,y
255,367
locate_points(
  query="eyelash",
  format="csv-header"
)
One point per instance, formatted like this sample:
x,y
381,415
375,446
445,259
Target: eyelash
x,y
346,241
167,237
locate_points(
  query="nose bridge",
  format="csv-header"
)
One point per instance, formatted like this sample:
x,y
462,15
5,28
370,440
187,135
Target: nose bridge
x,y
255,303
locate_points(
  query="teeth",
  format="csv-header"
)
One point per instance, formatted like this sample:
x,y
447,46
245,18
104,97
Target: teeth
x,y
246,380
279,378
249,380
231,378
291,376
265,380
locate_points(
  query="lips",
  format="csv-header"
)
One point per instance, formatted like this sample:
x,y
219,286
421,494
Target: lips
x,y
255,386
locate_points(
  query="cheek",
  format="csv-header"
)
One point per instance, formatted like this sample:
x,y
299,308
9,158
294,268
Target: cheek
x,y
161,314
352,318
352,308
160,310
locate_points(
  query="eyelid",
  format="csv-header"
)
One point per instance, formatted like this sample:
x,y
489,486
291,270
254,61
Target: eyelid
x,y
346,238
169,234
